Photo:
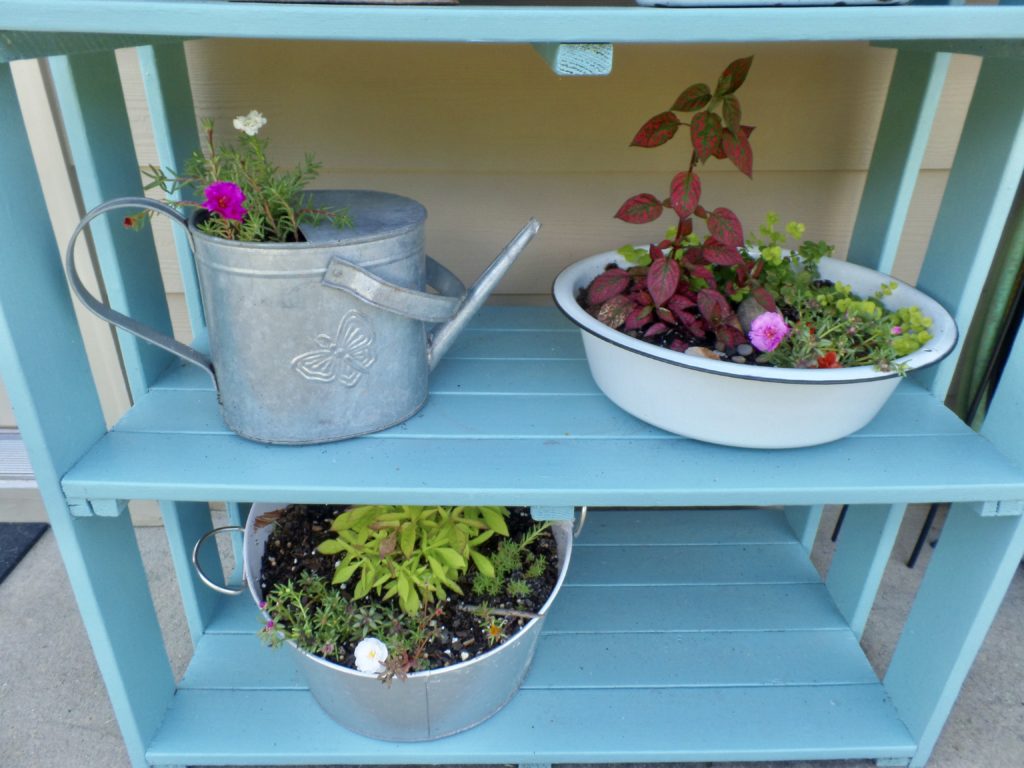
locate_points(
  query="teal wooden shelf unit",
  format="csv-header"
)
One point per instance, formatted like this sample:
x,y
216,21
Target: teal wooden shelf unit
x,y
693,634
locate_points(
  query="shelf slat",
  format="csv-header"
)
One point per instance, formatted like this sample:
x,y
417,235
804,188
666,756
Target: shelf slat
x,y
667,672
555,441
615,22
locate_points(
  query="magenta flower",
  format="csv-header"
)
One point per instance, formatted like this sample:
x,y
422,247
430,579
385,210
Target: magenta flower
x,y
225,198
768,330
896,330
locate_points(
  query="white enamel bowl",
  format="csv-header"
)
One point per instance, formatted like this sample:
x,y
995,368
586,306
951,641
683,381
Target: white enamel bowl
x,y
744,405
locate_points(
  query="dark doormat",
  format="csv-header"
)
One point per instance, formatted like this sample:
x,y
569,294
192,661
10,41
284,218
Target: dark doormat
x,y
15,540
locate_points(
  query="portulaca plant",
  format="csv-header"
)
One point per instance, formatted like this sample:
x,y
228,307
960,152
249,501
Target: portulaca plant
x,y
246,197
724,295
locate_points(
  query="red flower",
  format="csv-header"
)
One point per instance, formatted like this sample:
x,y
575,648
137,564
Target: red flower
x,y
828,360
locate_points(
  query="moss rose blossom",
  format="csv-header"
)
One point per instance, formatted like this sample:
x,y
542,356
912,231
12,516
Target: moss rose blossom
x,y
768,330
371,654
225,198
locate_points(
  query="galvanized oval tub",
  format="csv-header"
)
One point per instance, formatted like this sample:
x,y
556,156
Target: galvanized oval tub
x,y
425,705
325,339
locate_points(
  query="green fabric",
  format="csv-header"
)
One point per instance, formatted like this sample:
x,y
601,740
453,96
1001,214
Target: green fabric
x,y
974,382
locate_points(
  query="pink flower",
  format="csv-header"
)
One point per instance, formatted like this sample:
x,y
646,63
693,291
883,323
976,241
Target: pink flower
x,y
895,330
768,330
225,198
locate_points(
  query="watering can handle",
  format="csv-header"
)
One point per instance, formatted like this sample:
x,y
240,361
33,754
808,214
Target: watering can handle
x,y
407,302
114,317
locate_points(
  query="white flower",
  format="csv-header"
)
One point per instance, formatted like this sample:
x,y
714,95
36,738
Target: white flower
x,y
250,123
371,654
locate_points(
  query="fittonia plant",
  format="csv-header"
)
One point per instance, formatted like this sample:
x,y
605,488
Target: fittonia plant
x,y
724,292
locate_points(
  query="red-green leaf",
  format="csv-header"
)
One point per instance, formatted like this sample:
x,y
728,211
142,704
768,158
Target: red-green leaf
x,y
705,274
738,149
685,193
657,130
722,255
731,113
733,76
639,317
609,283
693,98
665,315
662,280
679,304
765,298
640,209
706,134
685,228
725,227
713,306
614,312
655,330
730,335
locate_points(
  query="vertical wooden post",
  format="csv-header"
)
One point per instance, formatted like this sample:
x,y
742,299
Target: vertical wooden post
x,y
982,185
958,598
48,379
914,91
862,551
172,113
96,123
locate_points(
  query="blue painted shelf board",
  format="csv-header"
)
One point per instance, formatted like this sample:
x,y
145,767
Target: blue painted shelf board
x,y
515,418
720,678
581,23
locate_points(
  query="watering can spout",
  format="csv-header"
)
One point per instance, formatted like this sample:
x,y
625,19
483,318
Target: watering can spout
x,y
443,337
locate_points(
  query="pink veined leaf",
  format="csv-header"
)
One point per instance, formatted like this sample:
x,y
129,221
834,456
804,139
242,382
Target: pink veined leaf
x,y
685,228
614,312
679,304
765,298
609,283
731,335
685,193
713,306
656,252
745,131
706,134
706,275
662,280
731,113
640,209
665,315
641,297
639,317
695,325
725,227
733,76
678,345
723,255
655,330
693,98
694,257
738,149
657,130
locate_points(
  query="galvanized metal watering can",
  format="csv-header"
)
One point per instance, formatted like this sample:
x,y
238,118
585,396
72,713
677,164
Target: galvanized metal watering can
x,y
325,339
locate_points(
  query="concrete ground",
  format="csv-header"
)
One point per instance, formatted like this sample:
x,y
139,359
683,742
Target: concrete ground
x,y
54,711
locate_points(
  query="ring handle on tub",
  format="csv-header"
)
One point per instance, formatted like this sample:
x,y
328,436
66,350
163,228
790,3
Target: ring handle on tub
x,y
199,570
582,521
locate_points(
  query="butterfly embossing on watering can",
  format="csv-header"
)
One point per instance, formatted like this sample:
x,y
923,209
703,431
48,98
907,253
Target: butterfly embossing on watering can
x,y
346,357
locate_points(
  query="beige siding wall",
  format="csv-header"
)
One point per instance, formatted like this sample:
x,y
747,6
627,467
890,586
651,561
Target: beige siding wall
x,y
486,136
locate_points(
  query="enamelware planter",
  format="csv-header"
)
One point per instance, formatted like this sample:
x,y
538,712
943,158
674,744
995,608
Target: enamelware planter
x,y
741,405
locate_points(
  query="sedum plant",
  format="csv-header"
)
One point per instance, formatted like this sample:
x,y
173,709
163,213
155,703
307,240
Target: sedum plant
x,y
722,293
413,553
